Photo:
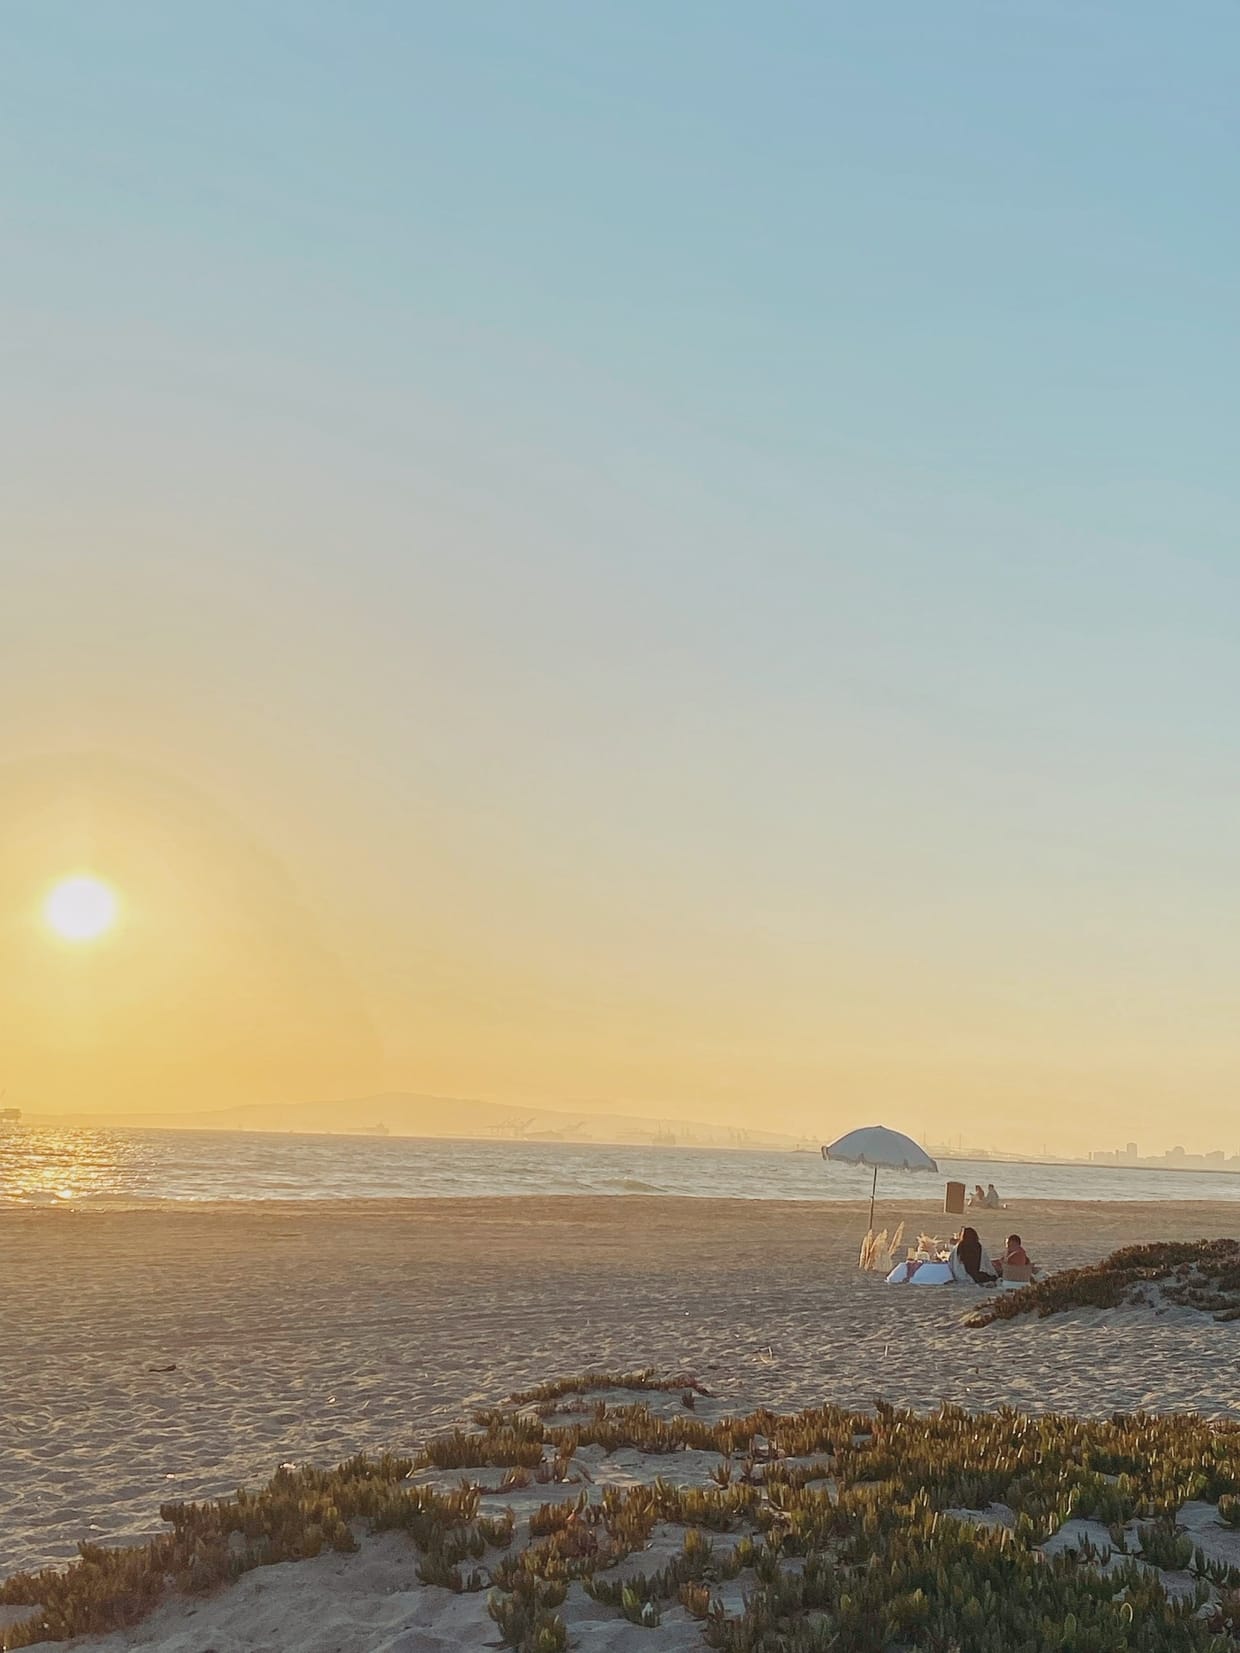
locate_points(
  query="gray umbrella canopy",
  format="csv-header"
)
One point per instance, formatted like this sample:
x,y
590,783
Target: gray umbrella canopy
x,y
883,1149
877,1146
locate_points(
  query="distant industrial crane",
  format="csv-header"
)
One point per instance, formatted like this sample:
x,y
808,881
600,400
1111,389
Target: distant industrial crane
x,y
518,1128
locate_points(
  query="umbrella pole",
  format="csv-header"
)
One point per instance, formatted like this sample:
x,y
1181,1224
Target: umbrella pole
x,y
873,1191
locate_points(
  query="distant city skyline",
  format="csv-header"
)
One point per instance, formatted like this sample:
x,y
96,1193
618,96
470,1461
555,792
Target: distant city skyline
x,y
1129,1154
1210,1158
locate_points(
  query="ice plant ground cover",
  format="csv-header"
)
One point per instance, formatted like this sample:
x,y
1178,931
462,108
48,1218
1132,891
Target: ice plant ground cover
x,y
1195,1274
872,1531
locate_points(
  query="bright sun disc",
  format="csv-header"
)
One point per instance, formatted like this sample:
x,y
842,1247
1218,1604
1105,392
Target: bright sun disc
x,y
80,909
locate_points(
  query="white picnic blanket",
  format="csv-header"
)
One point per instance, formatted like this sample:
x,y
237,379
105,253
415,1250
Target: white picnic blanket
x,y
950,1271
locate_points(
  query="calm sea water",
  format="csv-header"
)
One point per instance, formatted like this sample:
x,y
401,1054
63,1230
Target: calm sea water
x,y
51,1167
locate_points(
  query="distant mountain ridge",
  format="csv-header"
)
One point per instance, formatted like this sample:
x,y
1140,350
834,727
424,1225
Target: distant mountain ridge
x,y
411,1114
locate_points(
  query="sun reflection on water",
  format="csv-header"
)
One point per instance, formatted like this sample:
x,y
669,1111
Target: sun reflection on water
x,y
58,1166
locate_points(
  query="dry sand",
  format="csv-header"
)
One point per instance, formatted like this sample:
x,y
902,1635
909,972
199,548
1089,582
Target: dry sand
x,y
310,1331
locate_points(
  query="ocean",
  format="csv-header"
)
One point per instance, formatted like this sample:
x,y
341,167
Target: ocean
x,y
46,1166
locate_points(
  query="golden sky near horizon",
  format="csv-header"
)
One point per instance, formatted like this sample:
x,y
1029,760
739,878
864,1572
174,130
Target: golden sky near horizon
x,y
236,973
529,585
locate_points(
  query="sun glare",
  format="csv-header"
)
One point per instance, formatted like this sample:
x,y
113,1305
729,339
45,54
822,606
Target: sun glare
x,y
81,908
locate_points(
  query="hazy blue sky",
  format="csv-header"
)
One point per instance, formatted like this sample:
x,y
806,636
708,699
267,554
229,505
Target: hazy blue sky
x,y
695,544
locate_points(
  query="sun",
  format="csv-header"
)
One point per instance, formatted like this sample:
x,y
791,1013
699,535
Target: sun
x,y
81,908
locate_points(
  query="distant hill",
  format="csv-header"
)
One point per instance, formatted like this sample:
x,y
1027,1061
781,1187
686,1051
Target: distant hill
x,y
405,1114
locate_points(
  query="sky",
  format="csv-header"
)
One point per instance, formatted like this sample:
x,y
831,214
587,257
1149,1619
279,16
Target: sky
x,y
675,558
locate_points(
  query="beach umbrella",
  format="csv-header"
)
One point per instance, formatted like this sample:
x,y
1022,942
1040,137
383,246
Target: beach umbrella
x,y
881,1148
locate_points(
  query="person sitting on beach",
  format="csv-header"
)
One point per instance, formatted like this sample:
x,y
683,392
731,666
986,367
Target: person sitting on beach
x,y
991,1199
1014,1256
965,1260
978,1197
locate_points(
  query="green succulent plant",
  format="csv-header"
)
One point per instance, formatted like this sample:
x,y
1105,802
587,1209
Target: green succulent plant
x,y
871,1561
1201,1274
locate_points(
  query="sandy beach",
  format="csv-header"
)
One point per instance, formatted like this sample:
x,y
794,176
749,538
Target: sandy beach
x,y
177,1352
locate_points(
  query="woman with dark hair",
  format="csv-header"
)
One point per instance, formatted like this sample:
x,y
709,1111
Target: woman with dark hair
x,y
966,1259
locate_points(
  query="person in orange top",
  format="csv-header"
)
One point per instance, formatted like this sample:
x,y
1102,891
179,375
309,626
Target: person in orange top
x,y
1014,1255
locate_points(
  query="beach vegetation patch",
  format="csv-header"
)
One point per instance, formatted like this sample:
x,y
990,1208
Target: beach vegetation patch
x,y
898,1550
526,1618
299,1514
1197,1274
585,1383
